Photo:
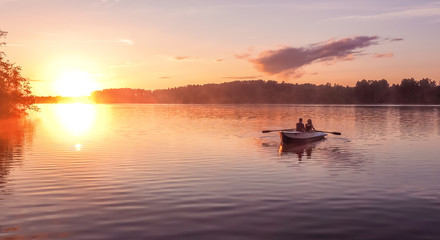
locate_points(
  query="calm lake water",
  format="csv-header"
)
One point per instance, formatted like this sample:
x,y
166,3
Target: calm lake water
x,y
78,171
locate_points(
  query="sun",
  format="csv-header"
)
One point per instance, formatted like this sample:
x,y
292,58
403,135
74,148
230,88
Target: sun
x,y
75,83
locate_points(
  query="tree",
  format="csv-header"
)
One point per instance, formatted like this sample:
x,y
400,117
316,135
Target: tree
x,y
15,93
427,91
409,91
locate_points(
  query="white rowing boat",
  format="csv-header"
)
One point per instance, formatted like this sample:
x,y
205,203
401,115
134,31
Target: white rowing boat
x,y
300,137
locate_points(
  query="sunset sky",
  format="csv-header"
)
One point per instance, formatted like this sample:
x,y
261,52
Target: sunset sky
x,y
74,47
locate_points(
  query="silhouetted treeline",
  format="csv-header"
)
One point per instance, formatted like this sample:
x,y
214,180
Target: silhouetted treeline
x,y
60,99
409,91
123,95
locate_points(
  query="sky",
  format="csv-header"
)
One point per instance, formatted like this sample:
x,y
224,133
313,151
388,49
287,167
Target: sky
x,y
74,47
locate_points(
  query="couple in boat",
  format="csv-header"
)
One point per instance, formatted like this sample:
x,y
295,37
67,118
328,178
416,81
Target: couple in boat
x,y
303,134
307,128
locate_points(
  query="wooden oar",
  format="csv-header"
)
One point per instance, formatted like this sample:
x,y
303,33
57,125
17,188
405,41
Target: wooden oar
x,y
266,131
335,133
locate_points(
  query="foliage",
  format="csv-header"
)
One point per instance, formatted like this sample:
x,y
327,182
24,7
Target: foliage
x,y
15,93
372,91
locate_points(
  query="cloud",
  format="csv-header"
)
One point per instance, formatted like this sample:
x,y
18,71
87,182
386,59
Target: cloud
x,y
429,10
243,55
393,39
396,39
164,77
185,58
246,54
178,58
288,60
119,41
126,41
243,77
383,55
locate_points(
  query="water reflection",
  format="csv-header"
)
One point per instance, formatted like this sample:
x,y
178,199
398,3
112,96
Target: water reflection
x,y
299,149
14,233
14,134
77,123
77,118
417,121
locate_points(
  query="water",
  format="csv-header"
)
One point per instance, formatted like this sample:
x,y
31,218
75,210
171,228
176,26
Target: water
x,y
207,172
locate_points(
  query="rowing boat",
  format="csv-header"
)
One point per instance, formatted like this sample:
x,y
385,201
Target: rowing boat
x,y
300,137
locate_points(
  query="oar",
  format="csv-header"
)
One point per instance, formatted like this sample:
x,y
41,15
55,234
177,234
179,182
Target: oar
x,y
335,133
266,131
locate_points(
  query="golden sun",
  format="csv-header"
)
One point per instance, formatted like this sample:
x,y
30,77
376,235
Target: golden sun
x,y
75,84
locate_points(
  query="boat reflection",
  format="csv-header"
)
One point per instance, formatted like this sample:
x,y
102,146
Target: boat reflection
x,y
300,149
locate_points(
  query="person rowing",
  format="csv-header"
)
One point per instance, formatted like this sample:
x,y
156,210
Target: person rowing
x,y
309,126
300,125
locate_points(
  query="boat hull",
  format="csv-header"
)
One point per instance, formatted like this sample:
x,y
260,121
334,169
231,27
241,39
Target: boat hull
x,y
300,137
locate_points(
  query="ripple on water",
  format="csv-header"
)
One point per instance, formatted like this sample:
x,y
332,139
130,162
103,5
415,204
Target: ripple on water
x,y
195,172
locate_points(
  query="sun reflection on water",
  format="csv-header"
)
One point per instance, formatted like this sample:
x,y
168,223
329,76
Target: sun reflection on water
x,y
77,118
76,125
78,146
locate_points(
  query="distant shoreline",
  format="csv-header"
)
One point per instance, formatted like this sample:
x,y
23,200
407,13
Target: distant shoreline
x,y
368,92
244,104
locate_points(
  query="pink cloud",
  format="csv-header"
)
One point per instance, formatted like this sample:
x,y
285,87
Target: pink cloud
x,y
243,55
383,55
288,60
185,58
182,58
